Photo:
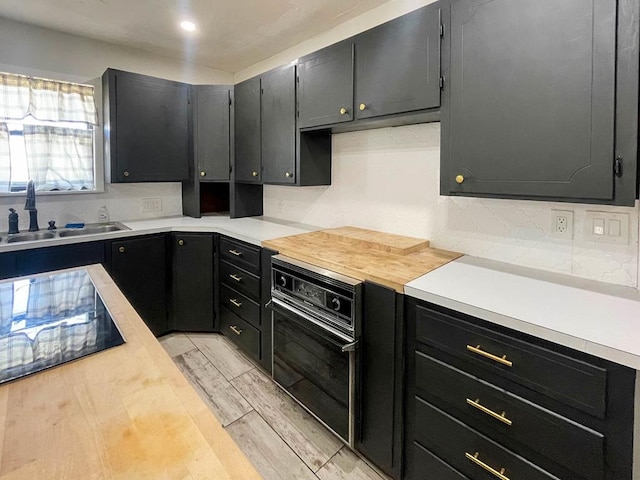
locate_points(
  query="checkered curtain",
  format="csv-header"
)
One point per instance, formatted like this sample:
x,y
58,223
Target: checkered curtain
x,y
6,307
5,159
60,295
59,158
46,100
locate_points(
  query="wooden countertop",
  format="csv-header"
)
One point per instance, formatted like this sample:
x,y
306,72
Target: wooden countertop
x,y
123,413
387,259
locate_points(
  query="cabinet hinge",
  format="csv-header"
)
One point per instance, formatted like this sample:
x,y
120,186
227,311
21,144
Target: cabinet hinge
x,y
441,82
617,166
442,29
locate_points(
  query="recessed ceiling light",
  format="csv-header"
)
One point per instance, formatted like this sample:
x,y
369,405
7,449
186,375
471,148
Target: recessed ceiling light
x,y
188,26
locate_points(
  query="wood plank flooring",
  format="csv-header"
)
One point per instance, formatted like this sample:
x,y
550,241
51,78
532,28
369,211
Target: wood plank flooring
x,y
279,437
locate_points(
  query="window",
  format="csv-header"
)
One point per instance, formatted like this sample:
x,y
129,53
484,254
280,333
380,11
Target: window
x,y
46,134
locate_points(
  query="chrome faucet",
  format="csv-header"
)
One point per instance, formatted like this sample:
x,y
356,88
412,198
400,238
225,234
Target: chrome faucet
x,y
30,205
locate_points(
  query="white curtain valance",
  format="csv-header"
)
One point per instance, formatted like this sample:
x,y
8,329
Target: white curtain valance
x,y
46,100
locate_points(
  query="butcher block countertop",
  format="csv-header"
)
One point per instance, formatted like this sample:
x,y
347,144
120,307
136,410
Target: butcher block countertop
x,y
123,413
383,258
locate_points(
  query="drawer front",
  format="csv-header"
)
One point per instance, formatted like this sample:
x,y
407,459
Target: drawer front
x,y
573,382
241,254
427,465
241,305
240,333
466,450
240,280
493,409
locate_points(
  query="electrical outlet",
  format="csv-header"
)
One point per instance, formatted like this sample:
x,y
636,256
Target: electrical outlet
x,y
562,224
151,205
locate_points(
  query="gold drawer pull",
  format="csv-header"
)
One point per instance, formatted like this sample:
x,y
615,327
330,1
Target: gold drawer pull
x,y
236,253
235,302
503,360
474,458
497,416
237,331
236,277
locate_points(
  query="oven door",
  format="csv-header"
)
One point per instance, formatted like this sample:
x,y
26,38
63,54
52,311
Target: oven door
x,y
316,367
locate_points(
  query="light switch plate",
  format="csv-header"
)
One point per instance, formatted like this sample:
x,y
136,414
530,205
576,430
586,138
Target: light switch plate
x,y
151,205
607,227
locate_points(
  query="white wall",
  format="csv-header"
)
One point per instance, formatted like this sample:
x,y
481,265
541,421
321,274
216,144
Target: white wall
x,y
37,51
388,179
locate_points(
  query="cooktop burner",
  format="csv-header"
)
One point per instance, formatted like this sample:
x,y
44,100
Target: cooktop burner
x,y
51,319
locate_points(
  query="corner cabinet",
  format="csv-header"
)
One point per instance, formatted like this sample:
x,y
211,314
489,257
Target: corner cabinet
x,y
211,132
248,162
485,401
146,128
540,100
192,256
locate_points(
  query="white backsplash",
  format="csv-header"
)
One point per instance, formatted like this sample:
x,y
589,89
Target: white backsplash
x,y
388,180
124,202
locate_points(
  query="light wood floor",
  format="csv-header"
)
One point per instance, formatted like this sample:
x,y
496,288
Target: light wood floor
x,y
277,435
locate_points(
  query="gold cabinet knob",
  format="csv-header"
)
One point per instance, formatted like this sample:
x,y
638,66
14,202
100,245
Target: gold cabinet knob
x,y
125,173
255,174
363,106
288,174
343,111
203,174
180,242
121,249
459,179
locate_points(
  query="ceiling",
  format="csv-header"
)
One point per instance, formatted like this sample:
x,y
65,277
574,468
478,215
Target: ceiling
x,y
231,34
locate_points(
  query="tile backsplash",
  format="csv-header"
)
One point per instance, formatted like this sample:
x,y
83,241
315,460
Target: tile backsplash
x,y
124,202
388,180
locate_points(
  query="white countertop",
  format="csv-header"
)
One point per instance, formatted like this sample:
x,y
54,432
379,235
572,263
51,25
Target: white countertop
x,y
253,230
596,318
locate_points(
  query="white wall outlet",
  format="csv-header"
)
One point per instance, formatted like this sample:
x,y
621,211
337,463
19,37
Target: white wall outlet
x,y
607,227
562,224
151,205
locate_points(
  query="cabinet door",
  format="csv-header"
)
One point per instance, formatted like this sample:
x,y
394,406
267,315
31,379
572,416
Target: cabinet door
x,y
248,164
193,293
149,129
529,110
325,86
55,258
211,132
138,266
7,265
279,126
398,65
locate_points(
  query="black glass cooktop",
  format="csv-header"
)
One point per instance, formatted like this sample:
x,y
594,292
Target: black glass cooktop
x,y
51,319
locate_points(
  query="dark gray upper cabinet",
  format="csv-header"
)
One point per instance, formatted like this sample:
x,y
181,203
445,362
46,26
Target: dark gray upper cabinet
x,y
248,163
325,86
147,123
279,125
529,105
398,65
211,132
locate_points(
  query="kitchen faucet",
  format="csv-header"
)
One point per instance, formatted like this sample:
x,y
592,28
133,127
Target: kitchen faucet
x,y
30,205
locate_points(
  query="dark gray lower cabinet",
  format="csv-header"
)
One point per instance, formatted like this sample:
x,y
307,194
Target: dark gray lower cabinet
x,y
381,378
483,398
192,279
139,268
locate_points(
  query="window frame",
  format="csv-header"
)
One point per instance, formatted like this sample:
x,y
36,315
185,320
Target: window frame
x,y
98,134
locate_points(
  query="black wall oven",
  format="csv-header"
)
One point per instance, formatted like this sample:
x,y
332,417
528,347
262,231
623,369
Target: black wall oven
x,y
316,317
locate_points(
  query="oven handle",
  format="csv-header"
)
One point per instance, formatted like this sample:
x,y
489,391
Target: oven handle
x,y
280,307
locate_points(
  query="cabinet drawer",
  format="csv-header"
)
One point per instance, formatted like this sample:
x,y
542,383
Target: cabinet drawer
x,y
241,305
571,381
241,254
427,465
549,434
240,332
468,451
240,279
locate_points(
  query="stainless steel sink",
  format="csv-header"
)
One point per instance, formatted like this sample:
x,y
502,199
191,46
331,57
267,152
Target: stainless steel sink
x,y
92,230
30,236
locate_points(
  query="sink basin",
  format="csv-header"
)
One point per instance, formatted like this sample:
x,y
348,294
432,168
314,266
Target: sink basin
x,y
91,230
30,236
